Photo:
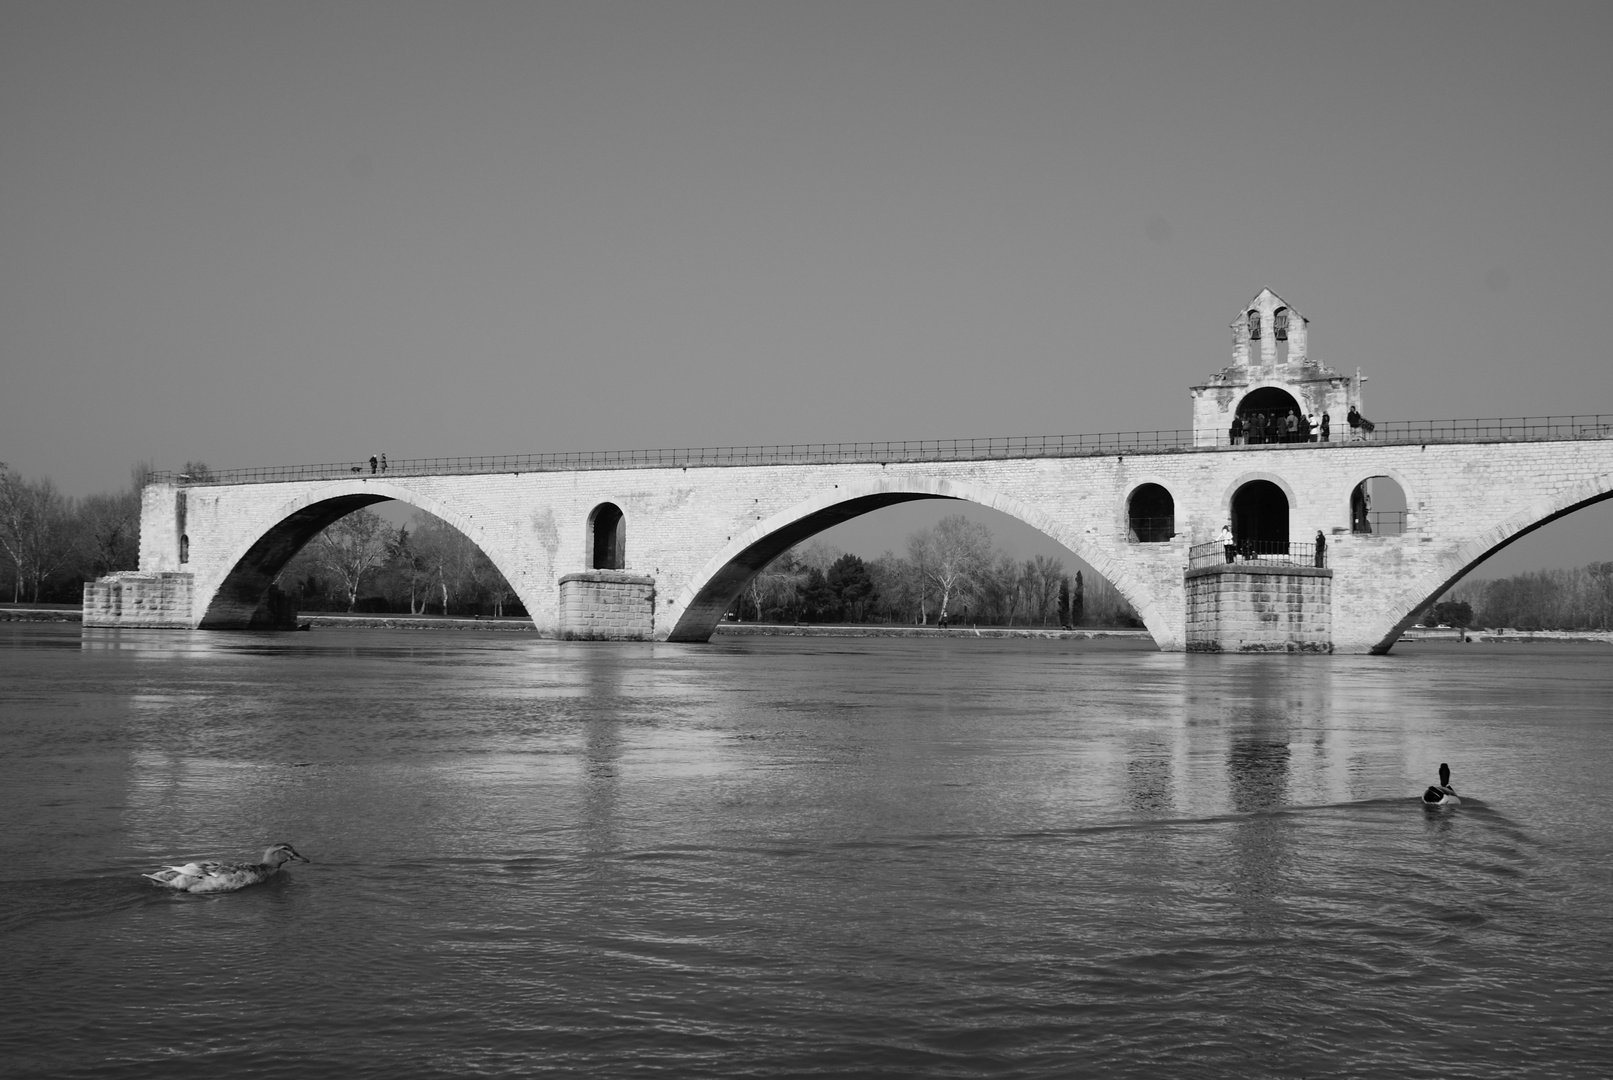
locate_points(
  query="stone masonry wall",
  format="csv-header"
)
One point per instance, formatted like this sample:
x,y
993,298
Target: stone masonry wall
x,y
607,605
684,524
1252,608
136,598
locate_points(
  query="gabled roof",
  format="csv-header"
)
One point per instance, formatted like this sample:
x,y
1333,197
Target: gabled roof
x,y
1254,302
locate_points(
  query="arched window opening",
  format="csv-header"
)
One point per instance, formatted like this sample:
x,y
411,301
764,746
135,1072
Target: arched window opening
x,y
1264,415
184,549
1151,514
607,538
1260,519
1378,507
1254,324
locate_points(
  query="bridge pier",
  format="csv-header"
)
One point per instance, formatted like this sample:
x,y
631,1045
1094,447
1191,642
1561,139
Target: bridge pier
x,y
607,605
1249,607
140,598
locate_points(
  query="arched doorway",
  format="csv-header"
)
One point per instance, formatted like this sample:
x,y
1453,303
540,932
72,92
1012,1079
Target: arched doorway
x,y
1151,515
1260,519
1262,414
607,538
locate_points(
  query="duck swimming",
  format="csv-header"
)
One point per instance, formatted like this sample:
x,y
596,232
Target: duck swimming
x,y
225,877
1441,794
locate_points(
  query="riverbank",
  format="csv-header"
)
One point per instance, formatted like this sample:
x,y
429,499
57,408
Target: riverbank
x,y
72,613
41,613
1505,636
68,613
325,620
885,630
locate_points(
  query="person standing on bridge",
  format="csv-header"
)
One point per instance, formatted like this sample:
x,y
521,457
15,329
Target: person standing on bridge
x,y
383,463
372,464
1321,549
1326,423
1227,541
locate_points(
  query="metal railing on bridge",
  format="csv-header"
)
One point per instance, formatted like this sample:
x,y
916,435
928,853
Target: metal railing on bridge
x,y
1520,429
1257,552
1383,523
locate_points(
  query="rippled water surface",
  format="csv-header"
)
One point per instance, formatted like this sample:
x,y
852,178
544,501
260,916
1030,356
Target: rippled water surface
x,y
787,857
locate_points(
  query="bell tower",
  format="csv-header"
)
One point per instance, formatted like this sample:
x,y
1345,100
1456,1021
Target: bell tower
x,y
1271,374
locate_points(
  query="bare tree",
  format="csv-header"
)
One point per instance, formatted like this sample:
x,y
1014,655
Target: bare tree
x,y
108,533
490,581
410,568
777,584
352,547
35,530
1047,574
952,556
448,556
817,555
900,587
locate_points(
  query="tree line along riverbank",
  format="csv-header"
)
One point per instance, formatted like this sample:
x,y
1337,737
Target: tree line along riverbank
x,y
50,545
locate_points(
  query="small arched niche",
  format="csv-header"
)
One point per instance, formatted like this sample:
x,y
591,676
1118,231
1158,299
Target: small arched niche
x,y
1260,518
1378,507
1263,414
607,538
1151,515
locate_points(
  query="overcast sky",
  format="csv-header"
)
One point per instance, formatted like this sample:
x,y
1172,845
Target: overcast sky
x,y
274,233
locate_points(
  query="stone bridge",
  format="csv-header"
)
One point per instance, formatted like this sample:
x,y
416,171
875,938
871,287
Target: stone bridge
x,y
659,544
691,537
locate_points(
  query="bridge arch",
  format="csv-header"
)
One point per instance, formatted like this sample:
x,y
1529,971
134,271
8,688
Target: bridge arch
x,y
1403,609
234,595
711,591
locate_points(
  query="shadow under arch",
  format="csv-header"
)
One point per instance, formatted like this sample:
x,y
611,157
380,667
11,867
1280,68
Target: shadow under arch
x,y
238,600
713,589
1409,604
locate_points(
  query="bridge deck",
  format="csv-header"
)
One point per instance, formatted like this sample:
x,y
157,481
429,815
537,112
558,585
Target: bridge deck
x,y
1398,432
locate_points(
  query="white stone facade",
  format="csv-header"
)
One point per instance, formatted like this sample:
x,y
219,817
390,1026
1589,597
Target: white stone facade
x,y
696,531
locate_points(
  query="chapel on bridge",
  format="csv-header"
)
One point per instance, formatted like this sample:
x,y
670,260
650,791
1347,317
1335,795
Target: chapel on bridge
x,y
1271,375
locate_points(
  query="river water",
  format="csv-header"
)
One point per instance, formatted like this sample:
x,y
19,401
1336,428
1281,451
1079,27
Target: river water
x,y
802,857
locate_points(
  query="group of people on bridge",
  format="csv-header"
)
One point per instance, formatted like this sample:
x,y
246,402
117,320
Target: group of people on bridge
x,y
1256,427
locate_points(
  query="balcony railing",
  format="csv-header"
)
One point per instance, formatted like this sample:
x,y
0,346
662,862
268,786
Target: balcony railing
x,y
1383,523
1150,530
1256,552
1522,429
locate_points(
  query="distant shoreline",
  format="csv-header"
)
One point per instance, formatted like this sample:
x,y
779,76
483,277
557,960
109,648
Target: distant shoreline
x,y
1504,636
730,629
72,613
